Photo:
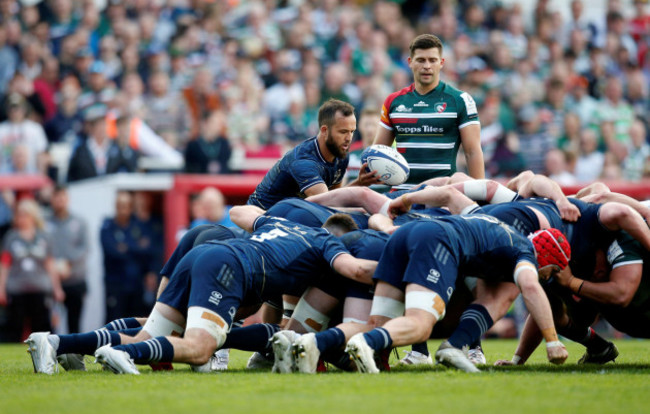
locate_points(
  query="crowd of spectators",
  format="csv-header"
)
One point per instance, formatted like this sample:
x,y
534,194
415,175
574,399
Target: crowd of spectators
x,y
89,86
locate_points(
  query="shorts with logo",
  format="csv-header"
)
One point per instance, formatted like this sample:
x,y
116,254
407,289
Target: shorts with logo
x,y
419,253
209,276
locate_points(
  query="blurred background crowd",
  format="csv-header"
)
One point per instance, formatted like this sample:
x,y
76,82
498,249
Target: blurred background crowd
x,y
95,87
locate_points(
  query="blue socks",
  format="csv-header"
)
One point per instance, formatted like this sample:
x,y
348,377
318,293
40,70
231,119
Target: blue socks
x,y
332,338
152,350
378,339
84,343
474,322
254,338
122,324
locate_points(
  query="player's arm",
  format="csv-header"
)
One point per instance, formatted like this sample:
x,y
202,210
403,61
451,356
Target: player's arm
x,y
526,278
489,191
446,196
384,136
359,270
616,216
470,138
245,216
4,275
371,201
542,186
623,283
604,197
315,189
529,340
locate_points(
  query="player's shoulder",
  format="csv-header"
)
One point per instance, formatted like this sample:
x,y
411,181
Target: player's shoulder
x,y
402,92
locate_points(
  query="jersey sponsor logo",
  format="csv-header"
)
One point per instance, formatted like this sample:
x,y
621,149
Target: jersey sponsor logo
x,y
422,104
337,177
424,129
440,107
215,298
402,108
470,105
433,276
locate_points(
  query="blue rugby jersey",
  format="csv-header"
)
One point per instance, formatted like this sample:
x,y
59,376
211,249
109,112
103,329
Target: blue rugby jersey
x,y
299,169
281,256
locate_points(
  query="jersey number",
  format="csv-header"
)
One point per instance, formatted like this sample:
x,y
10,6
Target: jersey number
x,y
270,235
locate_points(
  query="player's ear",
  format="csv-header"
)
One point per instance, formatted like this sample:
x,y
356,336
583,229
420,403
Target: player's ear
x,y
442,62
323,129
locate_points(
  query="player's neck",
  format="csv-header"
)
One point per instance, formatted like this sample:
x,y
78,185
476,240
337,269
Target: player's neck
x,y
324,151
425,89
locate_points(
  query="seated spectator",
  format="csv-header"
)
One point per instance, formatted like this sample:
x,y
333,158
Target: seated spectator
x,y
589,165
66,124
210,208
535,141
20,131
556,168
164,111
98,155
201,98
637,162
210,152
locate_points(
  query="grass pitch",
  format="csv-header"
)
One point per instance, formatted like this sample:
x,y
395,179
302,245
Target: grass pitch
x,y
535,388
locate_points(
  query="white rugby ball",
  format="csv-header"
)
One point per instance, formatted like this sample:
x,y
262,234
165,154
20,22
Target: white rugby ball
x,y
389,164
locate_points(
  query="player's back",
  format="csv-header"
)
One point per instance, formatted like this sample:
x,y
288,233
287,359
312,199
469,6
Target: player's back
x,y
310,214
280,253
365,244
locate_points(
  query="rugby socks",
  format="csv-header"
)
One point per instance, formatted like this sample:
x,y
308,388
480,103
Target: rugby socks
x,y
152,350
474,322
585,336
121,324
378,339
84,343
254,338
421,348
332,338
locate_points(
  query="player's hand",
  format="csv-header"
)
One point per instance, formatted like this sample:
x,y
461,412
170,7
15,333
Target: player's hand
x,y
557,354
564,276
568,211
367,178
399,206
504,363
391,229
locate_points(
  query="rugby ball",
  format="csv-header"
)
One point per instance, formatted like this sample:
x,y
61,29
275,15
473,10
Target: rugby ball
x,y
389,164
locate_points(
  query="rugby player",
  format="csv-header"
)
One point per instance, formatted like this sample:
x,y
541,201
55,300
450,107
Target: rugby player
x,y
316,165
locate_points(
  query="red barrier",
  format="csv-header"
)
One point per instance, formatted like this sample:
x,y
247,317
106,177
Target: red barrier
x,y
236,189
24,184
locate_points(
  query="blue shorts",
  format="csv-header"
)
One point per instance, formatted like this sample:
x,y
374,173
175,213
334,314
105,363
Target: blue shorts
x,y
218,282
419,253
209,276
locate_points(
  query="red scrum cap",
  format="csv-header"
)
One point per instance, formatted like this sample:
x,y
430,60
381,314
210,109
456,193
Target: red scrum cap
x,y
552,248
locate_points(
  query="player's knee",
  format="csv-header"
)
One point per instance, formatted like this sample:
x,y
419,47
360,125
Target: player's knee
x,y
208,325
311,319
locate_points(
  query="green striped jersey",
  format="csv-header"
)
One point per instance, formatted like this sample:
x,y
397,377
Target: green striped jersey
x,y
427,128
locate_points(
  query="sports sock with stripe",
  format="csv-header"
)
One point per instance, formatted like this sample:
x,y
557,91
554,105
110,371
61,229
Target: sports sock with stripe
x,y
378,339
84,343
121,324
474,322
330,339
152,350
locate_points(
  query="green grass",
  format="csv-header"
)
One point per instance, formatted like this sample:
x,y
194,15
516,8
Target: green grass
x,y
536,387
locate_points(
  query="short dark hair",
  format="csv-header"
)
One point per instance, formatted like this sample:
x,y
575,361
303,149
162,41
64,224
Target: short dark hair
x,y
339,224
327,111
425,41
